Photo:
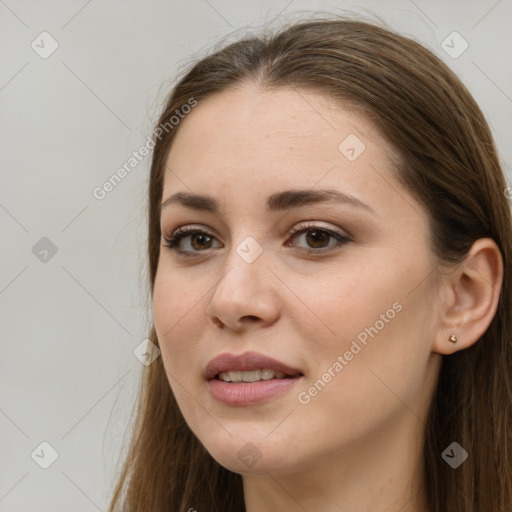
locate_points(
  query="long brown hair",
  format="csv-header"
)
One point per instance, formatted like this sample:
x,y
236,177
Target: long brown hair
x,y
448,161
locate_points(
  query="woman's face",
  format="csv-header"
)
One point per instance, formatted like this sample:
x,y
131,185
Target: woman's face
x,y
347,302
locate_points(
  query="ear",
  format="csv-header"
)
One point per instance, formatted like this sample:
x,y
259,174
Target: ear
x,y
470,298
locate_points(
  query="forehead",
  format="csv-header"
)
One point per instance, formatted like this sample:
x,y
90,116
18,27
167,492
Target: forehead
x,y
256,142
269,122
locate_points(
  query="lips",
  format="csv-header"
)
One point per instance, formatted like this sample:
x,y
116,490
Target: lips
x,y
245,362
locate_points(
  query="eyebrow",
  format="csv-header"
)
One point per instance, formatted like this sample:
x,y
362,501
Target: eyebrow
x,y
276,202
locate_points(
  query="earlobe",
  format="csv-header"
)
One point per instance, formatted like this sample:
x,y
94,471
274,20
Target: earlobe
x,y
474,290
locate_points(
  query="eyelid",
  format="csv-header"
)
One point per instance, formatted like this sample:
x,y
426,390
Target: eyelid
x,y
191,227
315,224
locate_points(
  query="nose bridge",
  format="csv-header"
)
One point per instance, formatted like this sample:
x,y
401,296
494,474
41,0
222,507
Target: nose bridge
x,y
244,265
243,291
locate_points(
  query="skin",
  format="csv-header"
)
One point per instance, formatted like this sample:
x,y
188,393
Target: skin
x,y
356,445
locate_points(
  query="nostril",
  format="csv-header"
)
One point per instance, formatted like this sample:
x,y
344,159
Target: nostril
x,y
251,317
218,323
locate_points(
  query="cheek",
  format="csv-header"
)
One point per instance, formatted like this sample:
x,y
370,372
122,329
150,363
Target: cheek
x,y
175,307
175,312
342,302
369,316
383,334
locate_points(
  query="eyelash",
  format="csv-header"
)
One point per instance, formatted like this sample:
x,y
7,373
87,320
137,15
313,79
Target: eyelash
x,y
173,241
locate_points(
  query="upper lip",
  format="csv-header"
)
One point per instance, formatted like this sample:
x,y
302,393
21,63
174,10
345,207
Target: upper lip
x,y
245,362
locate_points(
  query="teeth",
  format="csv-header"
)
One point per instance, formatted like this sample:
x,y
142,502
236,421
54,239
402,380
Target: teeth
x,y
267,374
251,376
233,376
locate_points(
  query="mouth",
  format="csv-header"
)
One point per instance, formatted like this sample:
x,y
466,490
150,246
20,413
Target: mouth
x,y
249,378
262,374
248,367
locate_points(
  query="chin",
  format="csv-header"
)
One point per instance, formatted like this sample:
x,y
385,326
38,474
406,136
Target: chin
x,y
248,457
257,468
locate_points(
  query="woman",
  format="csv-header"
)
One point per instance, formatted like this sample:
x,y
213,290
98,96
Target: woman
x,y
329,246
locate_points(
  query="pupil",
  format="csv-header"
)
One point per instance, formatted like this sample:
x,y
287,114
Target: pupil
x,y
314,237
201,239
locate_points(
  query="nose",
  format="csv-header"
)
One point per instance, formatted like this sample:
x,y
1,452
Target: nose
x,y
245,295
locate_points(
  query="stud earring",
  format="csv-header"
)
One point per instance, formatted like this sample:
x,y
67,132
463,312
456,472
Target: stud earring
x,y
453,338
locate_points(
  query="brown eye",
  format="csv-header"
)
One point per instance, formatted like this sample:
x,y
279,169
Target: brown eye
x,y
201,241
317,239
195,241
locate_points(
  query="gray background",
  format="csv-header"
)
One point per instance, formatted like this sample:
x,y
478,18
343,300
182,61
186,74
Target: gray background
x,y
70,323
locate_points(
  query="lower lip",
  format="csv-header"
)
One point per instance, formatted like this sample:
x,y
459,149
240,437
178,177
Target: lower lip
x,y
247,393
